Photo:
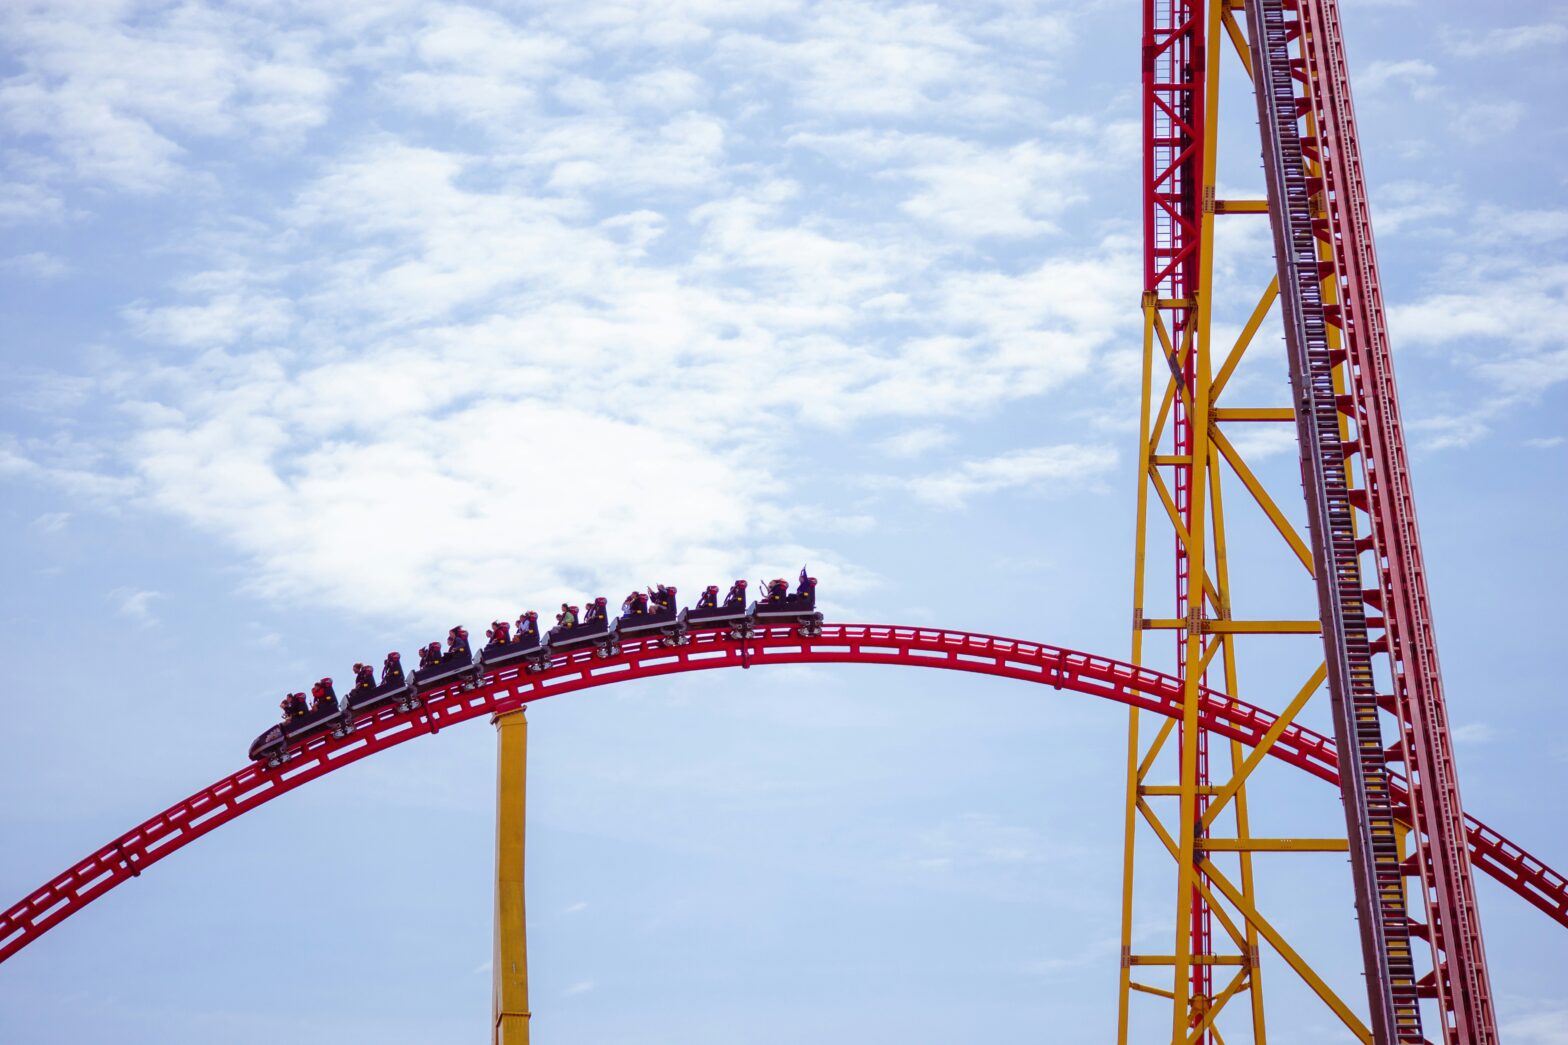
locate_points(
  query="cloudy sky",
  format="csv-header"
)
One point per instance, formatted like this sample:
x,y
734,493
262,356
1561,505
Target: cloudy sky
x,y
327,326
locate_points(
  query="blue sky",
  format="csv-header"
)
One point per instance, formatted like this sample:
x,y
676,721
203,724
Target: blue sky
x,y
328,326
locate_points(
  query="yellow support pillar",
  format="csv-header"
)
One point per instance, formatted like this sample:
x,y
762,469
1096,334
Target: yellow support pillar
x,y
509,1002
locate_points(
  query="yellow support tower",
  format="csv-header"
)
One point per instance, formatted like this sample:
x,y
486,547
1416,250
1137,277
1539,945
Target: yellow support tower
x,y
1186,464
509,1003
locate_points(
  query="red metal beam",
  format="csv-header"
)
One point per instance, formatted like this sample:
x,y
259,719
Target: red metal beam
x,y
506,690
1175,72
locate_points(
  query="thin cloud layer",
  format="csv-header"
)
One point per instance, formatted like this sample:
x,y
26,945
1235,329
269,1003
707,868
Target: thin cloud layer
x,y
556,315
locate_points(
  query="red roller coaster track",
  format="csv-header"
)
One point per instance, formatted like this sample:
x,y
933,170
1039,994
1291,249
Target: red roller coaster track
x,y
509,688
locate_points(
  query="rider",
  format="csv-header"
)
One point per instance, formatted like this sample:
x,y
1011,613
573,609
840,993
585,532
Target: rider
x,y
777,589
392,668
635,605
567,618
528,627
663,598
709,599
364,676
323,698
737,594
457,642
808,585
293,706
430,655
500,633
596,611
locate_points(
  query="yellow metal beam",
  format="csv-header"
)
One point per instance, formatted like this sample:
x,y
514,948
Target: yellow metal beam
x,y
1166,728
509,1000
1254,413
1285,951
1244,339
1260,495
1240,206
1134,773
1209,626
1227,643
1275,731
1273,845
1187,880
1158,992
1262,627
1235,932
1196,959
1212,1010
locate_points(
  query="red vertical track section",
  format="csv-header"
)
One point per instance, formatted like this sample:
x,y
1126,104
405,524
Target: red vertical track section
x,y
508,689
1174,78
1459,981
1394,1002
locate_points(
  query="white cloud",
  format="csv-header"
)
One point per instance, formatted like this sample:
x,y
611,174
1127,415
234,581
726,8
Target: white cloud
x,y
119,93
1416,76
36,264
915,442
611,313
1545,1026
1504,40
1256,442
965,190
858,58
29,202
136,605
1474,733
1048,467
1415,205
50,522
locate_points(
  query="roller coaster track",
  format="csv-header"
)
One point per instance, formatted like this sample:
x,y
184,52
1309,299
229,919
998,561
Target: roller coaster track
x,y
509,688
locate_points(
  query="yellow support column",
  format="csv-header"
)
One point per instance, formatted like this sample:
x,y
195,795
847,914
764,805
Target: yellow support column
x,y
509,1003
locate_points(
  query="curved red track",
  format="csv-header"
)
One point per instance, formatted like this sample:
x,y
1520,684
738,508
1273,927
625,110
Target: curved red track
x,y
510,688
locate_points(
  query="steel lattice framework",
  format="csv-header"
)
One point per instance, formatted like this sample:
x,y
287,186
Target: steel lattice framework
x,y
506,690
1361,545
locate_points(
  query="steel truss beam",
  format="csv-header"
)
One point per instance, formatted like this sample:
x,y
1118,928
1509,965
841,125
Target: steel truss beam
x,y
509,689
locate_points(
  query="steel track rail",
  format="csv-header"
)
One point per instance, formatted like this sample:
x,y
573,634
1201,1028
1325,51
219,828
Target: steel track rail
x,y
1369,814
509,688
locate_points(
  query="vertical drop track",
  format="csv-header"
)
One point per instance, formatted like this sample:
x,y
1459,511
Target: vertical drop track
x,y
1318,197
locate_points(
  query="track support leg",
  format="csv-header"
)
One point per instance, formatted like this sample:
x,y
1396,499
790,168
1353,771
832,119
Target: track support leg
x,y
509,1002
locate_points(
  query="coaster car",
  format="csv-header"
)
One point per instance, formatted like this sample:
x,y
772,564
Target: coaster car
x,y
456,662
655,613
274,743
393,689
526,645
779,606
596,629
711,613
